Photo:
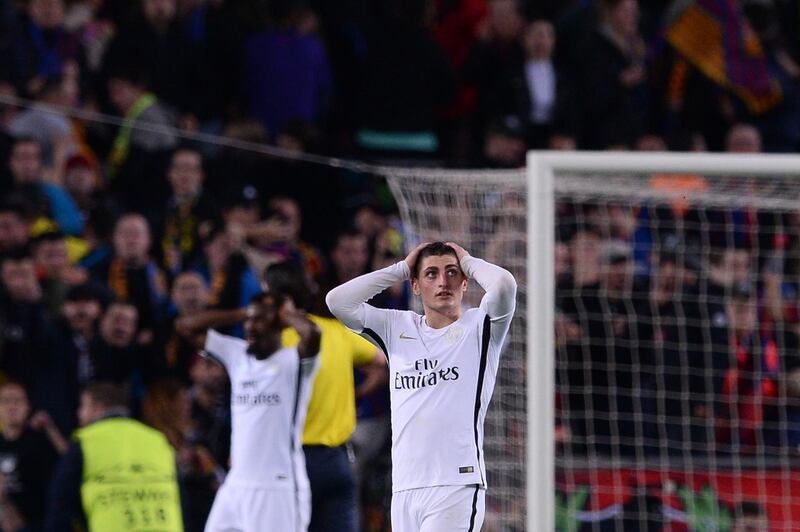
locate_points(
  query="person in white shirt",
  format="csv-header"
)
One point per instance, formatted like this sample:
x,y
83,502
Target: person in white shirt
x,y
443,366
267,487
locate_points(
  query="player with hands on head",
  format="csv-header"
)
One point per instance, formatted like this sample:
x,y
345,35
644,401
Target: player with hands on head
x,y
443,366
267,487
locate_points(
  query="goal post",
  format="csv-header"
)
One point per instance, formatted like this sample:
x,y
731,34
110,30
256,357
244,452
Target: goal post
x,y
543,168
540,478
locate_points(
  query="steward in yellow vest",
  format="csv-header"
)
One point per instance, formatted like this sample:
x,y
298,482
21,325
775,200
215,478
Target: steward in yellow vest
x,y
118,475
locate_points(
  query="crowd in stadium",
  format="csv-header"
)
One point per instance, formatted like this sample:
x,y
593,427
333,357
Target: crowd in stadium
x,y
112,230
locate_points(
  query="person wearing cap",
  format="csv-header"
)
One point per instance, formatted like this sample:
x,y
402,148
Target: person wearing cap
x,y
188,207
83,181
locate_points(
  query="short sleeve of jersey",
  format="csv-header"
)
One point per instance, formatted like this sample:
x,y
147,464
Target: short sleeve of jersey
x,y
378,326
308,365
223,348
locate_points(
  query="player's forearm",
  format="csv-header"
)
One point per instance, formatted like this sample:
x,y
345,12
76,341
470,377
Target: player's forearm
x,y
347,301
309,333
499,284
209,319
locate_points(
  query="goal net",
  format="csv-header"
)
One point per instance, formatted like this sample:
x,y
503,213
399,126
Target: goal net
x,y
651,378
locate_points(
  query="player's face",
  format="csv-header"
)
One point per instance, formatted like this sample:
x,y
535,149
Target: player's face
x,y
440,283
262,329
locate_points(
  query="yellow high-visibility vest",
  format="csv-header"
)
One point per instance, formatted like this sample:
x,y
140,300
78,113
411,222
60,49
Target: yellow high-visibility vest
x,y
129,478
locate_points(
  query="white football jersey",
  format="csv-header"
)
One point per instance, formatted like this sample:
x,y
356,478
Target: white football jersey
x,y
441,382
269,401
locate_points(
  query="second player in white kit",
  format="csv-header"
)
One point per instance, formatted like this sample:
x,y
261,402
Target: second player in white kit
x,y
267,487
443,366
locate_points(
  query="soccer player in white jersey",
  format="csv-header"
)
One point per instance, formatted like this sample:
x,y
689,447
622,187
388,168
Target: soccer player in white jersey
x,y
267,487
443,366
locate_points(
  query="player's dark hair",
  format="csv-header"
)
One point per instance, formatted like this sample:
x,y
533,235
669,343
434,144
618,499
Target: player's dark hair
x,y
434,249
273,297
290,278
107,394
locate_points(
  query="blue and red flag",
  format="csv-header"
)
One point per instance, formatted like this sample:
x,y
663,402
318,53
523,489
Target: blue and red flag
x,y
715,37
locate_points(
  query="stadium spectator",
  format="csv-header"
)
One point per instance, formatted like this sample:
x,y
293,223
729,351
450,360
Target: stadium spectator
x,y
67,373
188,207
28,456
26,333
43,47
155,39
232,283
583,367
14,226
114,353
133,160
210,440
614,88
49,199
349,259
45,123
750,388
667,306
173,354
743,138
56,274
549,98
278,238
132,275
496,65
141,457
286,71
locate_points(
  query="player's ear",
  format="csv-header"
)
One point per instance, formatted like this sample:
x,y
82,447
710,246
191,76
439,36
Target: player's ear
x,y
464,284
415,286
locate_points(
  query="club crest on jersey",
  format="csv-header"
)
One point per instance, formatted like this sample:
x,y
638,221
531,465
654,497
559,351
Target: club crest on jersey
x,y
426,374
454,334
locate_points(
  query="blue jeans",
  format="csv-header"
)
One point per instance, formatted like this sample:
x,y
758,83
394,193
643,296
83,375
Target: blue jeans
x,y
333,490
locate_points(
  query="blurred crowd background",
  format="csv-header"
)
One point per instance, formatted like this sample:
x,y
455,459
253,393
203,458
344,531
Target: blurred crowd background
x,y
115,224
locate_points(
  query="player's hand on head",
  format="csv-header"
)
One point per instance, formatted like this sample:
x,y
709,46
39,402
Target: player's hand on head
x,y
411,259
287,311
460,252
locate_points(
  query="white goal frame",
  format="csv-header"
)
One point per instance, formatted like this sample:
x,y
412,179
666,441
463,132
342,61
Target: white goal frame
x,y
542,167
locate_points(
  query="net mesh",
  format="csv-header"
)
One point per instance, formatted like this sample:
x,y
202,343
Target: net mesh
x,y
677,343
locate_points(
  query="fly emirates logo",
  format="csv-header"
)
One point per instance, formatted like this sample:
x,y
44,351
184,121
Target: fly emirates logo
x,y
426,374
